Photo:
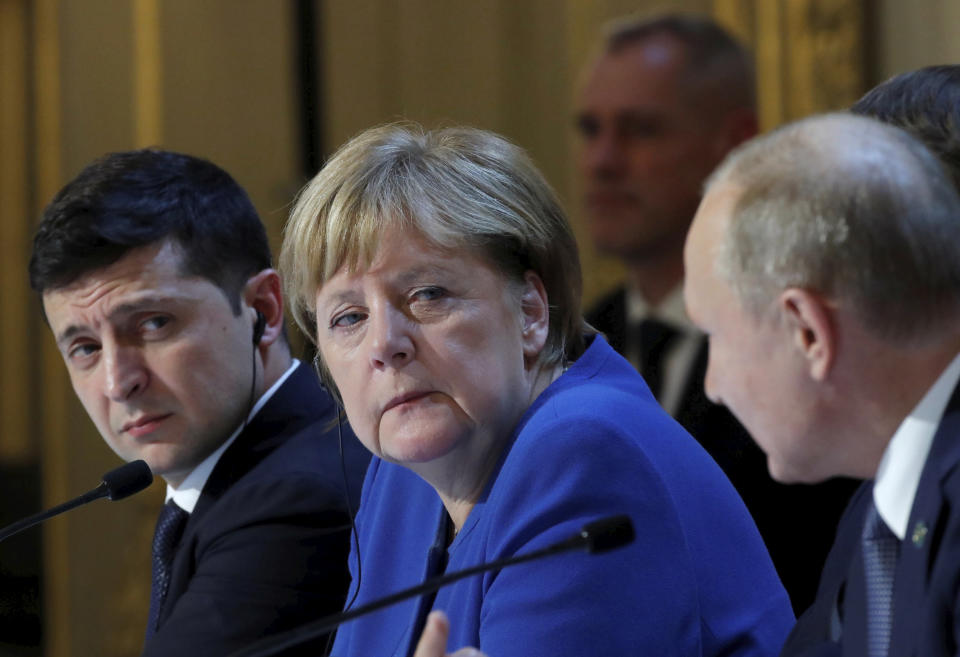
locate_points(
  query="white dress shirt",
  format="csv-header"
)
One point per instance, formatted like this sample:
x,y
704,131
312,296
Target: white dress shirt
x,y
681,353
898,476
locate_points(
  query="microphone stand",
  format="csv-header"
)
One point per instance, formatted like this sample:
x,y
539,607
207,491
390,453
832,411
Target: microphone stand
x,y
599,536
37,518
116,484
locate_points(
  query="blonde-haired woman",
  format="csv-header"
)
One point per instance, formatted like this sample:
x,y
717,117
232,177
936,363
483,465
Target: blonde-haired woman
x,y
440,280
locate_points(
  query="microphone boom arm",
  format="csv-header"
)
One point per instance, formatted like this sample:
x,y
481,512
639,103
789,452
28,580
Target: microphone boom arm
x,y
598,536
118,483
37,518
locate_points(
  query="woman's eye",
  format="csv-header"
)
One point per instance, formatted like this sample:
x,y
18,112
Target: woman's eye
x,y
346,320
430,293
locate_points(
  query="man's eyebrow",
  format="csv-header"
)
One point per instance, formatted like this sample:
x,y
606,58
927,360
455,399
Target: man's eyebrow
x,y
137,305
127,308
68,333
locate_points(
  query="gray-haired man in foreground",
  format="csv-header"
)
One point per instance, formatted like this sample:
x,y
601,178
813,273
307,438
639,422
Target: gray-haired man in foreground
x,y
824,264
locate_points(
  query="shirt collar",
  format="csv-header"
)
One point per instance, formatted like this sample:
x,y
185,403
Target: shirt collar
x,y
187,493
671,310
898,476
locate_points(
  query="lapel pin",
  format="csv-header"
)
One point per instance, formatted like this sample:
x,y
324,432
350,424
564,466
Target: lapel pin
x,y
919,534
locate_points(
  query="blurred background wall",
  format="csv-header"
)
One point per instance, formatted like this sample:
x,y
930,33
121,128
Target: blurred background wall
x,y
266,89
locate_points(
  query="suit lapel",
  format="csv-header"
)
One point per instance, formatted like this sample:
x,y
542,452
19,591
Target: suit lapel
x,y
299,401
919,548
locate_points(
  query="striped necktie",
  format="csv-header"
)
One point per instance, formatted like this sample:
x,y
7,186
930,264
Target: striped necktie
x,y
880,550
167,535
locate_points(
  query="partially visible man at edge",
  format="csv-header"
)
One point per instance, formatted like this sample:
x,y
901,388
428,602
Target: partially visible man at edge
x,y
823,264
664,102
925,103
155,278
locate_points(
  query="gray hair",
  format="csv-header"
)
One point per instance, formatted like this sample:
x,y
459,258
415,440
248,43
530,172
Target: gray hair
x,y
850,208
716,63
456,187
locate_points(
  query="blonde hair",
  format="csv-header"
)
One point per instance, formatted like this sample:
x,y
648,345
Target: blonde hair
x,y
457,187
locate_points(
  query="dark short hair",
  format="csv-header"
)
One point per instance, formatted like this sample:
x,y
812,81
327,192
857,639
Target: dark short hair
x,y
132,199
714,58
925,103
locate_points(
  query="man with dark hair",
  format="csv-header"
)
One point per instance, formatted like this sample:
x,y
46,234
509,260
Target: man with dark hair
x,y
925,103
823,265
663,103
155,277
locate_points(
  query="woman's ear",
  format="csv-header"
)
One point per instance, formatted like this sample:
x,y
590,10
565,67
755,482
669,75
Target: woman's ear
x,y
535,316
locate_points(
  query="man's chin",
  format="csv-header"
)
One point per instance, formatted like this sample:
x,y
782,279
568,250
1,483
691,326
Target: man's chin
x,y
784,473
163,464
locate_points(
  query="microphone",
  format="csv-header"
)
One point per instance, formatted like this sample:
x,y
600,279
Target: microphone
x,y
595,537
117,484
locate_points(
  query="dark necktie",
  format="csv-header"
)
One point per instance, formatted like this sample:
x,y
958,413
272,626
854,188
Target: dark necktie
x,y
654,338
170,526
880,550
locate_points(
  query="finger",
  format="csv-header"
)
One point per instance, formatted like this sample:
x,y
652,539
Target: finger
x,y
467,652
433,641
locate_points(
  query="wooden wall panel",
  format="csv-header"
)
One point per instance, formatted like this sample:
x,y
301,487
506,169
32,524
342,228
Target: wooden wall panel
x,y
914,34
511,67
17,443
810,54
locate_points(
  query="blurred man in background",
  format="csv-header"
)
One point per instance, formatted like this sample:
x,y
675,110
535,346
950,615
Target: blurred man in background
x,y
660,107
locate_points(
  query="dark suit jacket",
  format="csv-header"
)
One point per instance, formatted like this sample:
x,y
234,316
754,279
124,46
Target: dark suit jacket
x,y
797,522
265,548
926,595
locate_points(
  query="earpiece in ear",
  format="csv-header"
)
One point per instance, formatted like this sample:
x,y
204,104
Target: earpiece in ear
x,y
259,327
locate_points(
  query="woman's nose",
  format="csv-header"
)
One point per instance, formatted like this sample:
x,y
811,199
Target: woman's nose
x,y
389,338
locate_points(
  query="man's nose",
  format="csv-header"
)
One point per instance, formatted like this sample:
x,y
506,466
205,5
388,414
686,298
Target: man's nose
x,y
126,372
603,154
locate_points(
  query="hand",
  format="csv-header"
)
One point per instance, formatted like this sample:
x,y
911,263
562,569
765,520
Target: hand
x,y
433,641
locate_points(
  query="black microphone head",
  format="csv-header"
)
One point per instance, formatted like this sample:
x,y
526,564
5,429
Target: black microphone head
x,y
128,479
607,533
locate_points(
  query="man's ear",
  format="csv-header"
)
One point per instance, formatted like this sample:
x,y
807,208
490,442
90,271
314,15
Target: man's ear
x,y
809,319
263,293
535,316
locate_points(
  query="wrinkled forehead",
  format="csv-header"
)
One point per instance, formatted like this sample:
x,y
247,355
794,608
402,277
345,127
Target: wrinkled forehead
x,y
356,244
711,224
705,242
154,270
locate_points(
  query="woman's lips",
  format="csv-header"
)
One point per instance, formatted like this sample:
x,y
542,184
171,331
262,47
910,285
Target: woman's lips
x,y
405,398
